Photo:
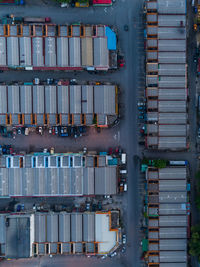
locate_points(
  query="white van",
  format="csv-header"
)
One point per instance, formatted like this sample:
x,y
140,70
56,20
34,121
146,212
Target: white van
x,y
125,187
123,171
123,158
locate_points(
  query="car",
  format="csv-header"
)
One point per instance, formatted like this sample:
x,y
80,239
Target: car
x,y
19,131
104,257
113,254
64,5
141,117
199,133
195,59
53,131
141,104
50,130
56,130
126,28
87,206
40,130
7,222
123,250
123,239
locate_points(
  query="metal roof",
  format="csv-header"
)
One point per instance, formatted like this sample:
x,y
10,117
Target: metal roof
x,y
173,244
2,229
26,99
3,99
172,57
50,99
13,51
173,232
13,99
173,197
172,70
88,181
63,99
172,7
172,209
76,227
172,130
25,51
88,227
171,33
64,227
50,52
171,20
172,143
183,264
40,227
173,46
75,52
38,99
176,221
75,99
38,53
105,181
172,106
62,51
101,56
172,94
87,51
52,227
173,118
87,94
2,51
172,81
173,256
172,185
104,99
173,173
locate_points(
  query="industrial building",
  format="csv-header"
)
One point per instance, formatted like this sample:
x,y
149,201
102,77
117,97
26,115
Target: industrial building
x,y
168,216
65,174
166,75
57,47
24,235
51,105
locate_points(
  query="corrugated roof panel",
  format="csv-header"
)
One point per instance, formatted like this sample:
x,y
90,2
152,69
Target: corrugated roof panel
x,y
75,99
173,197
173,256
62,51
173,173
4,185
172,70
172,106
25,51
177,221
38,99
3,99
88,181
172,209
172,81
76,181
172,57
65,181
38,54
50,52
40,227
75,52
87,98
2,230
76,227
173,118
63,99
101,55
172,232
173,244
172,130
171,20
87,51
172,45
172,7
173,264
88,227
52,227
3,51
105,181
172,94
26,99
104,99
13,51
172,143
64,227
13,99
50,99
171,33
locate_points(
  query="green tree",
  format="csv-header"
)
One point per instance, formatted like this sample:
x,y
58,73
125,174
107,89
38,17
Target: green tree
x,y
194,244
160,163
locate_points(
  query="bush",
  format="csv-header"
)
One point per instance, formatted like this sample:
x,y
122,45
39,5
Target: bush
x,y
194,244
160,163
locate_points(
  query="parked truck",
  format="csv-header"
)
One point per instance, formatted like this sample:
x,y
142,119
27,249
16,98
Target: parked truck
x,y
12,2
37,20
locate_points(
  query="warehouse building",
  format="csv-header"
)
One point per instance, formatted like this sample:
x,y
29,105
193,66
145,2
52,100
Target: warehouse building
x,y
50,105
166,75
168,216
57,47
42,174
58,233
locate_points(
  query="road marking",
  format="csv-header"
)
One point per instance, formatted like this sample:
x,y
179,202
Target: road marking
x,y
118,136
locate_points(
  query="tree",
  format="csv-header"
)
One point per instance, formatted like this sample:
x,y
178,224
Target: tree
x,y
194,244
160,163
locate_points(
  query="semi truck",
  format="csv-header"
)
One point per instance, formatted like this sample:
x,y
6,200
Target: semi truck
x,y
37,20
12,2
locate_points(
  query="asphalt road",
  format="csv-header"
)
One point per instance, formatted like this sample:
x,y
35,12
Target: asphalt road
x,y
131,80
